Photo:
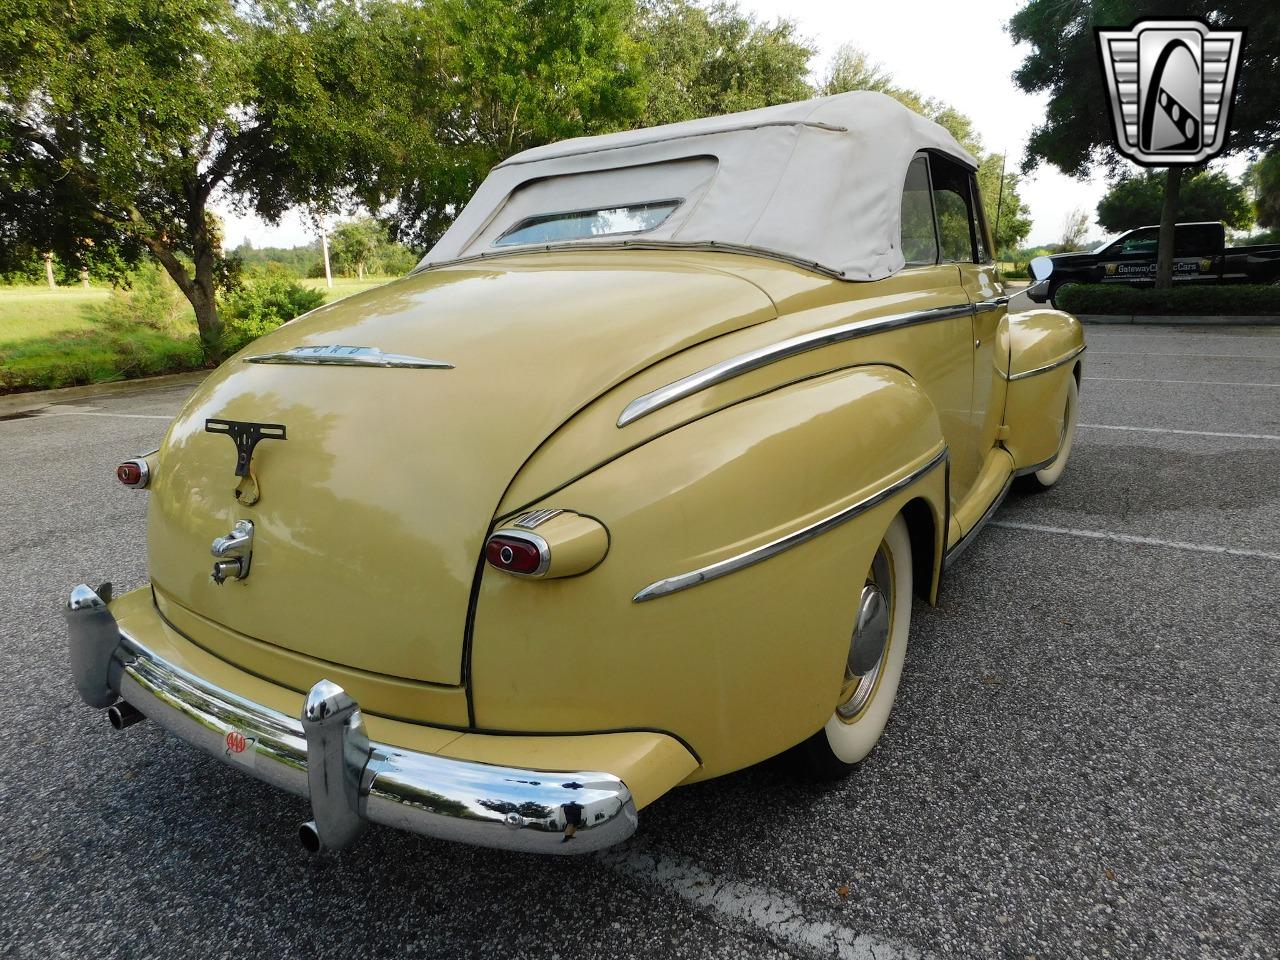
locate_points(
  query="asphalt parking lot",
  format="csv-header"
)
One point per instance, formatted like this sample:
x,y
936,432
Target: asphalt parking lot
x,y
1084,760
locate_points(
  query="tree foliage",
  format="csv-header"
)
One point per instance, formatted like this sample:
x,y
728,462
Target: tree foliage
x,y
1264,180
1135,201
267,299
354,244
700,61
120,120
499,76
1075,227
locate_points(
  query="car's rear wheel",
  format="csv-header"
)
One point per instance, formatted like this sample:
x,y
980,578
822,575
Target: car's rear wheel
x,y
1046,477
1055,292
873,666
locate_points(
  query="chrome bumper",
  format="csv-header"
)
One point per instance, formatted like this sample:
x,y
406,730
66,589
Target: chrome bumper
x,y
326,756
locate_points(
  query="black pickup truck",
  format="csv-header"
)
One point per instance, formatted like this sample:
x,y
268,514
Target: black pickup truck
x,y
1200,256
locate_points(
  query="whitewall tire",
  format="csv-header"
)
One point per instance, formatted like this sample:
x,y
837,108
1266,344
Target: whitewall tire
x,y
1046,477
870,682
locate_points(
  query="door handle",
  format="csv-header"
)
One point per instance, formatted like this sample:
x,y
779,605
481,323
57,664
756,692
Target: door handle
x,y
977,344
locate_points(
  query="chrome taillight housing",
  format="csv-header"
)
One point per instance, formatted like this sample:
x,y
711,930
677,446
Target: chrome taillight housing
x,y
134,473
564,544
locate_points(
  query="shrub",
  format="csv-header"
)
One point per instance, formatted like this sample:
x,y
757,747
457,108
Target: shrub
x,y
263,302
1199,300
152,300
96,356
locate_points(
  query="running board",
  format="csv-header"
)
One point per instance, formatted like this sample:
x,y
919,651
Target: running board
x,y
963,543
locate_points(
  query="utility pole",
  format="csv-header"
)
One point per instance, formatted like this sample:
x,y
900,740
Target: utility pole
x,y
324,247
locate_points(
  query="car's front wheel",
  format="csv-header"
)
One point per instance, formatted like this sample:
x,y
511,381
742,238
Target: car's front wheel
x,y
1046,477
873,667
1055,292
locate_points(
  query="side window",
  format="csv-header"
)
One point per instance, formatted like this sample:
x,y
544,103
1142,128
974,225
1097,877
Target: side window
x,y
981,230
919,242
954,204
1195,241
1141,241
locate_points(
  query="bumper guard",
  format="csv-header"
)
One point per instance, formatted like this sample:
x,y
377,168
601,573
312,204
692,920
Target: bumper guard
x,y
327,756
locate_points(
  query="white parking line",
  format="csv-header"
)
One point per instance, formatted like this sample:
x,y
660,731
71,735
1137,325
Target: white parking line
x,y
1189,433
82,413
1205,383
1132,538
1184,356
753,910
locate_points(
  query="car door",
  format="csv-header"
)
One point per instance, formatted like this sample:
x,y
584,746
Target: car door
x,y
943,360
1132,257
1196,252
965,241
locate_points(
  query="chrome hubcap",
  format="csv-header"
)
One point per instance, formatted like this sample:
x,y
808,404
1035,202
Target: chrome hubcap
x,y
871,633
872,630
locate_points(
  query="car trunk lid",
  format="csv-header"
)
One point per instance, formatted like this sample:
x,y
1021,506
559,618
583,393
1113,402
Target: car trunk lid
x,y
372,511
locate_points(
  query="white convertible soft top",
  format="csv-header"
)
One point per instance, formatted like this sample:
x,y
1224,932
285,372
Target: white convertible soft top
x,y
817,182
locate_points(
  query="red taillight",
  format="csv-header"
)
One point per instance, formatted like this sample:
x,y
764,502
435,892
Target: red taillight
x,y
133,473
517,555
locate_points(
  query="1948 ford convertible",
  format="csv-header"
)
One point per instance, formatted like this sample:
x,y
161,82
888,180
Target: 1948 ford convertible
x,y
629,484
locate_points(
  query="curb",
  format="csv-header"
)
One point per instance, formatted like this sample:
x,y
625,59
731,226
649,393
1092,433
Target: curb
x,y
18,403
1173,320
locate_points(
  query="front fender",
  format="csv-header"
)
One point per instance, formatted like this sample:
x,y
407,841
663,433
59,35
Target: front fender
x,y
1044,351
746,665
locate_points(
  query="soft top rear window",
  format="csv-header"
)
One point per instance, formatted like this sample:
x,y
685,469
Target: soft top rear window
x,y
585,224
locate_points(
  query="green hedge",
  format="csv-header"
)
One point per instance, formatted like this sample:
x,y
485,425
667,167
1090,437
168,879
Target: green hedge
x,y
1208,300
95,356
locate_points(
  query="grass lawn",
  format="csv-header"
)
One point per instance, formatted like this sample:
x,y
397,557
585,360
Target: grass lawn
x,y
345,286
34,313
55,338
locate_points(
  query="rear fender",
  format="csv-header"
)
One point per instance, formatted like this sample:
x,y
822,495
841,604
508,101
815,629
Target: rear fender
x,y
740,666
1045,348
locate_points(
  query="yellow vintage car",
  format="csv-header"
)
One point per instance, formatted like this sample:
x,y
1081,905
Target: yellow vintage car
x,y
629,484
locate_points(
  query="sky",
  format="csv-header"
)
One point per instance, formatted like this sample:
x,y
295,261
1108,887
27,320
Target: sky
x,y
954,50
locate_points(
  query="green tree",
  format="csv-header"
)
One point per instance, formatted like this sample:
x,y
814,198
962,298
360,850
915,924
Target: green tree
x,y
851,69
1075,227
1009,215
1136,201
1076,133
1264,180
355,244
499,76
700,61
121,119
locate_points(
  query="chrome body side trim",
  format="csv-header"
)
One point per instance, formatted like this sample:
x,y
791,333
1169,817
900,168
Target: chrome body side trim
x,y
1035,467
338,355
963,543
325,756
684,581
763,356
1048,366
